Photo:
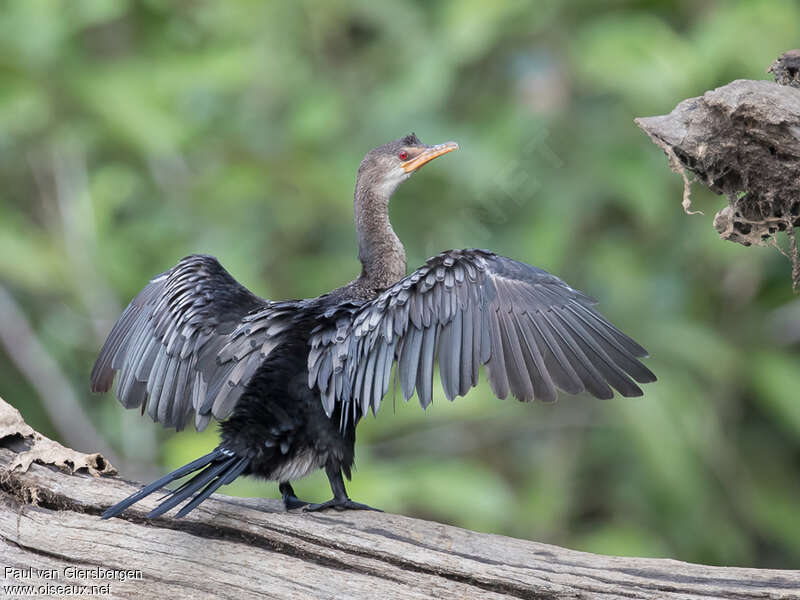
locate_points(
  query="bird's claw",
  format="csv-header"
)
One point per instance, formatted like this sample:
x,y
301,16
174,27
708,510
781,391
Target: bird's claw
x,y
339,505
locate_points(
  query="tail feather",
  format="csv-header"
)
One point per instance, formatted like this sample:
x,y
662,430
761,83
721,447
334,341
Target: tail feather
x,y
231,474
235,471
219,467
211,472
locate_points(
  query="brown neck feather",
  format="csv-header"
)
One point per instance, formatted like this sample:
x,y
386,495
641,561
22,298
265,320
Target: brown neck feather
x,y
380,251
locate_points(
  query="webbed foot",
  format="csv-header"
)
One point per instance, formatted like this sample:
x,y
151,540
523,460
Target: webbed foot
x,y
336,504
340,500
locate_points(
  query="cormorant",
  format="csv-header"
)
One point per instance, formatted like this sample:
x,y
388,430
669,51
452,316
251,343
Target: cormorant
x,y
289,381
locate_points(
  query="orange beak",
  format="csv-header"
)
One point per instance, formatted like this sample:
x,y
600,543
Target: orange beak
x,y
428,155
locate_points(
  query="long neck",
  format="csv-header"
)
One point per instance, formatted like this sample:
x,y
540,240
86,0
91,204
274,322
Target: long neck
x,y
380,251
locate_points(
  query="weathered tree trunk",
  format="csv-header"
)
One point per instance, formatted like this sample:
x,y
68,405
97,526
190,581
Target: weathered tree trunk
x,y
236,548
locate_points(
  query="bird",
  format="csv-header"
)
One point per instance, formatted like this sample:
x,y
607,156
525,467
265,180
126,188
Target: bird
x,y
289,381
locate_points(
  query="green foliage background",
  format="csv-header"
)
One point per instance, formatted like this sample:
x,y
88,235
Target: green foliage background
x,y
134,133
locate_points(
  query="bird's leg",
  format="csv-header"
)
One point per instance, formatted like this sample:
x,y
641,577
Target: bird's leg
x,y
340,500
290,501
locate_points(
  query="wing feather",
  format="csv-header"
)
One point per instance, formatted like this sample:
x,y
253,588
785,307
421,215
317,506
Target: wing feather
x,y
496,370
425,369
593,382
463,309
518,380
611,372
544,387
609,336
465,371
556,363
188,342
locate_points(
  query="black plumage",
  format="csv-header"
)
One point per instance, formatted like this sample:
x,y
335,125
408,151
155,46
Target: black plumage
x,y
289,381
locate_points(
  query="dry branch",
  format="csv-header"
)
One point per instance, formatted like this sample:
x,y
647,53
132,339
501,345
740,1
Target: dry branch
x,y
236,548
741,140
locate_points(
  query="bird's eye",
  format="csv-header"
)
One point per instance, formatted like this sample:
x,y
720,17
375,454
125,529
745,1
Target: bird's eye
x,y
402,155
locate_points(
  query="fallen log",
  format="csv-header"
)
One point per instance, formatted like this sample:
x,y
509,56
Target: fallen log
x,y
51,535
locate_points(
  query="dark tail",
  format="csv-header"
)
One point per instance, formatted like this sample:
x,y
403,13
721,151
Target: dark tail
x,y
219,467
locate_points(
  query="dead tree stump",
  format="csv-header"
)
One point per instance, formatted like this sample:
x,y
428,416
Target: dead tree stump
x,y
741,140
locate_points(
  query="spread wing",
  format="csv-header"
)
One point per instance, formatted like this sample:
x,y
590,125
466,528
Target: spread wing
x,y
467,308
189,341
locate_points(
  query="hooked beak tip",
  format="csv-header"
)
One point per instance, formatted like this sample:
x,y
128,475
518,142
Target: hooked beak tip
x,y
428,155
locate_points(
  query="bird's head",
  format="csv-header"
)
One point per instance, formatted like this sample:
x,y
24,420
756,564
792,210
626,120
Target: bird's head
x,y
387,166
